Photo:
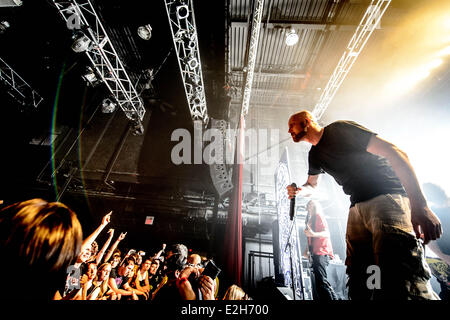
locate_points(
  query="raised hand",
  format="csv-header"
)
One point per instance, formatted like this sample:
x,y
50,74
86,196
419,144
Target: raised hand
x,y
207,287
292,192
122,236
106,219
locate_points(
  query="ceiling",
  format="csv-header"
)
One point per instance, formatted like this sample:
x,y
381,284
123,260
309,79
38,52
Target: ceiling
x,y
99,164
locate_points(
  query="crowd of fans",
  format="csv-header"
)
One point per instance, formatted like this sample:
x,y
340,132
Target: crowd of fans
x,y
44,242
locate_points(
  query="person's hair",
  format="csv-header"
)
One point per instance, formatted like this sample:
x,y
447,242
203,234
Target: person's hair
x,y
43,239
177,260
235,293
104,284
88,264
315,205
128,260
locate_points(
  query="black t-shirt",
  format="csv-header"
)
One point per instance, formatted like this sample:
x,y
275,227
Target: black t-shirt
x,y
341,152
120,280
169,292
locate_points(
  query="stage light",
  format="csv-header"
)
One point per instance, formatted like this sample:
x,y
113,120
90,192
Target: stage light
x,y
108,106
291,38
90,77
145,32
81,43
3,26
407,81
193,63
137,129
182,12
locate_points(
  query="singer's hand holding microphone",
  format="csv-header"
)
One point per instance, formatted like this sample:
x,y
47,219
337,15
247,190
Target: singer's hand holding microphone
x,y
293,190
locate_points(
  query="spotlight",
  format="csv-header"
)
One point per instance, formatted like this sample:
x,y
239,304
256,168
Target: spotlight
x,y
192,63
291,38
90,77
145,32
3,26
108,106
137,128
81,43
182,12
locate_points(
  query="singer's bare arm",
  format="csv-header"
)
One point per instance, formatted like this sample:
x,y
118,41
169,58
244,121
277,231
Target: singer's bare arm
x,y
306,189
423,219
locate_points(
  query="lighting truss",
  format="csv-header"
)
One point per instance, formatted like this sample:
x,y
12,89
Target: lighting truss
x,y
81,15
21,91
184,33
253,49
369,22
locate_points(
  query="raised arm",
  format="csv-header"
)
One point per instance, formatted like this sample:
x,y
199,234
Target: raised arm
x,y
422,218
160,252
105,246
114,246
88,241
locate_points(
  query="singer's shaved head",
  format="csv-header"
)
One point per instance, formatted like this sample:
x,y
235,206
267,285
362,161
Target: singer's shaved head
x,y
302,115
303,126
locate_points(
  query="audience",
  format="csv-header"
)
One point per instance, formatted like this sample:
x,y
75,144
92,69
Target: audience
x,y
45,239
101,289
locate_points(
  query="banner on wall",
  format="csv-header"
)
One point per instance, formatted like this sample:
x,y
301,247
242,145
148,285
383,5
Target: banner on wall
x,y
282,230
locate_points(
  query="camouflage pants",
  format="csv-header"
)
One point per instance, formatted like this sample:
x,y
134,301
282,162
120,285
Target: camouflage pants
x,y
380,233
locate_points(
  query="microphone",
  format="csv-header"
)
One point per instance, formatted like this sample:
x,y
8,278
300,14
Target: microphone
x,y
292,207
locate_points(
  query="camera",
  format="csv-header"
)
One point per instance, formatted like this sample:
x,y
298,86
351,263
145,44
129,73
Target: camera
x,y
211,270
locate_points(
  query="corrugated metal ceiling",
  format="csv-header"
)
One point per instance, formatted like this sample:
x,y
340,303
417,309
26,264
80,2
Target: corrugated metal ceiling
x,y
290,76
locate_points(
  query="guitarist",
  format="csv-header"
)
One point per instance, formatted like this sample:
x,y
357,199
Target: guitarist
x,y
320,249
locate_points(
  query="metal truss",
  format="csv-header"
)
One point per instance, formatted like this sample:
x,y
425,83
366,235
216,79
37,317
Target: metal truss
x,y
368,24
81,15
21,91
184,33
253,49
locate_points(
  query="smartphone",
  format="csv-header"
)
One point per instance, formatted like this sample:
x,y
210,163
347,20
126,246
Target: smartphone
x,y
211,270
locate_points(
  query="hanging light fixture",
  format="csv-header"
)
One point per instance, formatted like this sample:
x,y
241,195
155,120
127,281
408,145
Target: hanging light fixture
x,y
291,37
145,32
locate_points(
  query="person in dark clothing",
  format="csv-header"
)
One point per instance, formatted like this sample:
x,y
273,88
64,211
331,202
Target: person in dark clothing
x,y
118,281
320,249
178,286
388,217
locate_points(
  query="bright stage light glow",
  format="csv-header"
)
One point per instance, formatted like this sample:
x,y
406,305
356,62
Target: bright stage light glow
x,y
407,81
444,52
